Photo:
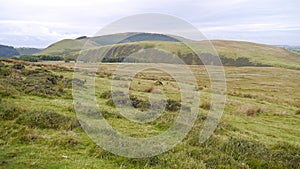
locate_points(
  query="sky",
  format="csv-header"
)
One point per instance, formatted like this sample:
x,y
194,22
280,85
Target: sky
x,y
39,23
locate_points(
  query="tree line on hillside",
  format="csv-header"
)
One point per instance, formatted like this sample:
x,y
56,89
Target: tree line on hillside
x,y
36,58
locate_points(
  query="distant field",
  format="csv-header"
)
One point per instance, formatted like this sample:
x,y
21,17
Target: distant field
x,y
260,127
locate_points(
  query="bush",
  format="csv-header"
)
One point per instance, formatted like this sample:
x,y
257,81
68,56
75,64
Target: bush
x,y
173,105
36,58
106,95
67,60
18,66
139,103
120,99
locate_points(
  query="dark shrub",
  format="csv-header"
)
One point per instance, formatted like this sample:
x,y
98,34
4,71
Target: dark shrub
x,y
139,103
110,102
18,66
173,105
106,95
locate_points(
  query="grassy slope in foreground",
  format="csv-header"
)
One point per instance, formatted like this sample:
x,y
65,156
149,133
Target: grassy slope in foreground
x,y
259,128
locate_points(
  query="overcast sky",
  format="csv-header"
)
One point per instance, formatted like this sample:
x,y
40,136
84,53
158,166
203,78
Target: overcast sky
x,y
38,23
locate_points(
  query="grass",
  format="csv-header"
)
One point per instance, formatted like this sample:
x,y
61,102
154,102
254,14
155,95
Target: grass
x,y
259,128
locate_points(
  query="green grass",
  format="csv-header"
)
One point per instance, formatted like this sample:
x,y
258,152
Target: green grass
x,y
41,131
63,47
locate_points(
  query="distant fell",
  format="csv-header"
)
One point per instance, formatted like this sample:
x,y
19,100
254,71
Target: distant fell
x,y
27,51
8,51
232,53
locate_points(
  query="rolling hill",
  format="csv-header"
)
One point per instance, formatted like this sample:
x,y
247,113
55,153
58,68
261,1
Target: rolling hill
x,y
293,48
232,53
69,46
8,51
27,51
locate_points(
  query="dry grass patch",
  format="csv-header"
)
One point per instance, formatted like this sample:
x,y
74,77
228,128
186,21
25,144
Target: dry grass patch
x,y
250,110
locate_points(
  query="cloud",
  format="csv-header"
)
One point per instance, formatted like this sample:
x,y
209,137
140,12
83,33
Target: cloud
x,y
48,21
37,34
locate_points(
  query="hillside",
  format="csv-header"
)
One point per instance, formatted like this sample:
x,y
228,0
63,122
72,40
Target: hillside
x,y
293,48
259,53
27,51
8,51
69,46
232,53
63,47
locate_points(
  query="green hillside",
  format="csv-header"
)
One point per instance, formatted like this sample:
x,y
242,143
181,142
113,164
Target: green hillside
x,y
27,51
259,53
63,47
232,53
10,51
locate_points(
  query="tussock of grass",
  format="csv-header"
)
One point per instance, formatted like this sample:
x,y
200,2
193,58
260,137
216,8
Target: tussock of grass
x,y
46,119
148,89
205,105
106,95
139,103
10,111
250,110
173,105
254,111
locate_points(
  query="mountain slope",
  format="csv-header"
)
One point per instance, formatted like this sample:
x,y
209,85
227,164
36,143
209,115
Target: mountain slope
x,y
259,53
232,53
64,47
27,51
8,51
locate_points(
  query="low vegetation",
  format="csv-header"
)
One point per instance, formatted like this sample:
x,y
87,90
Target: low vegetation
x,y
39,128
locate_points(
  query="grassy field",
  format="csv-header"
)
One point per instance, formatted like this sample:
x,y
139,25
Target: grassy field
x,y
260,127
